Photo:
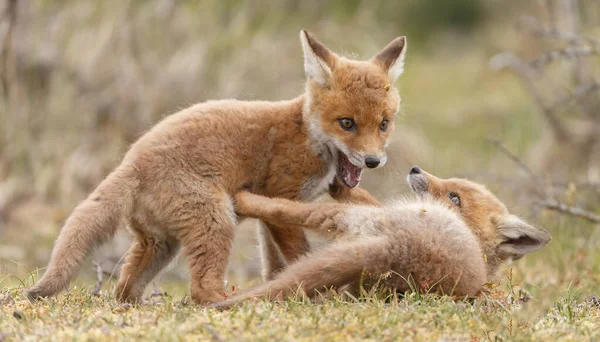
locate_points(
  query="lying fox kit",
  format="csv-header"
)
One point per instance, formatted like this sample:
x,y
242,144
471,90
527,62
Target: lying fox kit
x,y
174,185
452,236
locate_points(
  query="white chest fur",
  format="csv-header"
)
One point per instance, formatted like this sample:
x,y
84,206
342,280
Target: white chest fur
x,y
317,185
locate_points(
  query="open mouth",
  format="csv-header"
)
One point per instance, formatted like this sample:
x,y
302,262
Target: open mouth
x,y
347,172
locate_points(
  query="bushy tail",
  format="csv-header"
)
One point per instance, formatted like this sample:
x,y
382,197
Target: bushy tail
x,y
333,266
92,223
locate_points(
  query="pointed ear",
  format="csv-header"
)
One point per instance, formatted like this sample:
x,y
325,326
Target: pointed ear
x,y
521,238
318,60
391,58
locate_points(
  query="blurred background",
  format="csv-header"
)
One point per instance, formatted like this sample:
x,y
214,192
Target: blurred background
x,y
502,92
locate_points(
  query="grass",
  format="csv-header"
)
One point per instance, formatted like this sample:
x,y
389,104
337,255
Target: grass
x,y
501,315
549,295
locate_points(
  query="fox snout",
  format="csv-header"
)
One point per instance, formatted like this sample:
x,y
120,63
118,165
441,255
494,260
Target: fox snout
x,y
366,160
372,162
415,170
418,180
351,165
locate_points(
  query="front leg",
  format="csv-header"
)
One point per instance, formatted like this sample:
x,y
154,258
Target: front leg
x,y
284,216
291,241
343,194
272,260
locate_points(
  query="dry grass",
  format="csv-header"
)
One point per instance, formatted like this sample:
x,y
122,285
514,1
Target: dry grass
x,y
549,295
507,313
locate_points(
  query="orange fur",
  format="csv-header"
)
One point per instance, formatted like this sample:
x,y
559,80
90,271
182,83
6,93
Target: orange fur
x,y
440,245
174,185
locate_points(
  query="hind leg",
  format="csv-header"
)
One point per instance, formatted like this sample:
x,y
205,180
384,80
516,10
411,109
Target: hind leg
x,y
164,252
279,246
292,241
147,256
207,234
271,258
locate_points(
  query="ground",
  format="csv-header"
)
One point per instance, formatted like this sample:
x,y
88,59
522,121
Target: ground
x,y
82,317
548,295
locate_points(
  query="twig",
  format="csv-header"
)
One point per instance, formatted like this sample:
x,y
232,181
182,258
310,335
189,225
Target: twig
x,y
534,26
580,91
568,52
213,333
494,177
156,291
130,35
551,13
509,60
583,186
100,277
7,72
574,211
540,184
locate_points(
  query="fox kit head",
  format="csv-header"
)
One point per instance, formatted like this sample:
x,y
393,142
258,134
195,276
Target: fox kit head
x,y
351,105
502,236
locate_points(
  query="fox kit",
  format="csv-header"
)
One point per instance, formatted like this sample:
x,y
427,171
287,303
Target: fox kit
x,y
174,185
452,237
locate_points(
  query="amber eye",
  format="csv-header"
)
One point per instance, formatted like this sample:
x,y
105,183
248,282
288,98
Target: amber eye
x,y
383,126
347,124
454,198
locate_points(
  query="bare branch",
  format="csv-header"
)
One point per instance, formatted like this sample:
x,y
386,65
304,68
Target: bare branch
x,y
574,211
562,27
584,186
549,5
100,278
533,26
7,57
579,92
156,291
509,60
570,52
213,332
541,187
519,182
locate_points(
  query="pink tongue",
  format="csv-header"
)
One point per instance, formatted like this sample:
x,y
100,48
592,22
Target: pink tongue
x,y
348,173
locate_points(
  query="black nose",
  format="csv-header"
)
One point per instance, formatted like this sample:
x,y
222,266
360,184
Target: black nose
x,y
415,169
372,162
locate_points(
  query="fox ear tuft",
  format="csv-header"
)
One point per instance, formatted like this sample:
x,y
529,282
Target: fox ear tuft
x,y
520,238
318,60
391,58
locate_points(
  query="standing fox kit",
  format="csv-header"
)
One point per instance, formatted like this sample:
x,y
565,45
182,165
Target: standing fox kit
x,y
450,240
174,185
